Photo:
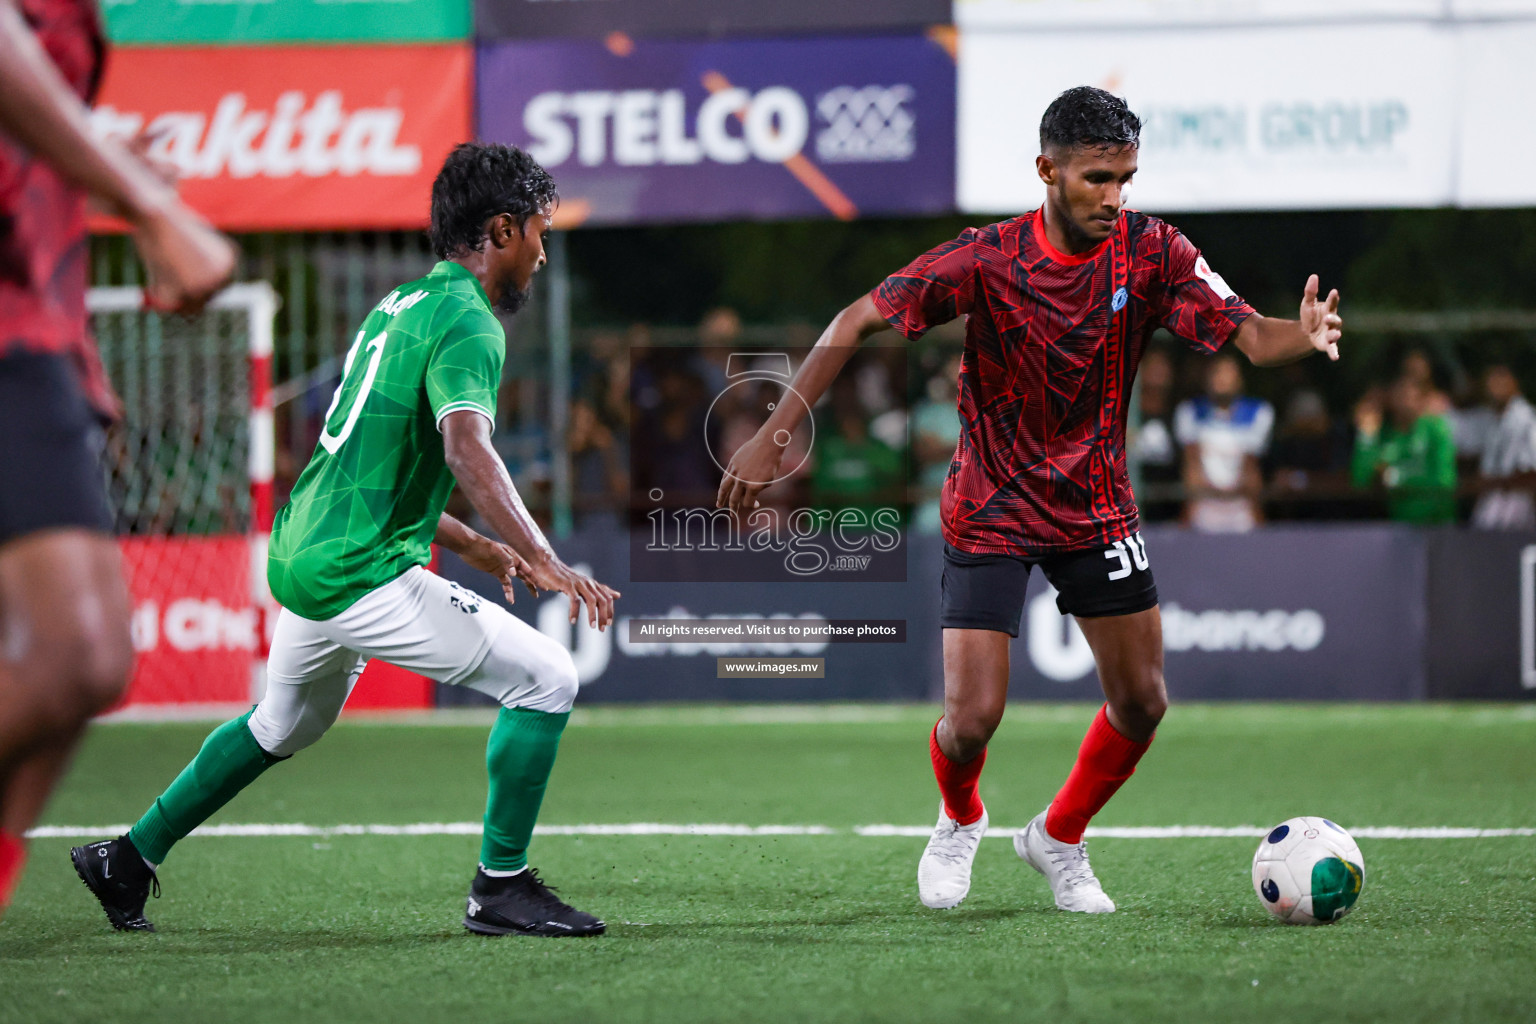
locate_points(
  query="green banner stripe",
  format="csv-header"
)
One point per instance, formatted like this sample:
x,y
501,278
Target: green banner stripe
x,y
286,21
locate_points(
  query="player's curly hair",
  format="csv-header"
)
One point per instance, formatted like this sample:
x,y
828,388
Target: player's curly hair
x,y
1085,116
478,181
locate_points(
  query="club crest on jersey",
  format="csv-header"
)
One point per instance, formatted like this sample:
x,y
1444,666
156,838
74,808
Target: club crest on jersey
x,y
1117,303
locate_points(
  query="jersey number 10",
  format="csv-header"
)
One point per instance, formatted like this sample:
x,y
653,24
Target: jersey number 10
x,y
332,442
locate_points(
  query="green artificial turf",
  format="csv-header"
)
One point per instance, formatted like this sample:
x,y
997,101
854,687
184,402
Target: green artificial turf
x,y
806,928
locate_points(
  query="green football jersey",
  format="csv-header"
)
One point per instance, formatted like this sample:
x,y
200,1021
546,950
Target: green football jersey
x,y
366,507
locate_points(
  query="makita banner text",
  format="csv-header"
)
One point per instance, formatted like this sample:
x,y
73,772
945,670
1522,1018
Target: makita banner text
x,y
294,138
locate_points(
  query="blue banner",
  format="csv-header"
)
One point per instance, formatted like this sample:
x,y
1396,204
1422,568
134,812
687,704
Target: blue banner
x,y
639,132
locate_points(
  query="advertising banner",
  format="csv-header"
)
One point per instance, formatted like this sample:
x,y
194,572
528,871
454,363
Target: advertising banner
x,y
1248,119
1496,134
194,625
647,132
531,19
1285,613
1482,615
185,22
1334,613
295,138
1122,14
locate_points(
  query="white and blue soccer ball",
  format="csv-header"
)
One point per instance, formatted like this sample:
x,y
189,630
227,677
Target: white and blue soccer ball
x,y
1308,871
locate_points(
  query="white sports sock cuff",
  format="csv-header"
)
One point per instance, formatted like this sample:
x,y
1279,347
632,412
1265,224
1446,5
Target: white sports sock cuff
x,y
502,874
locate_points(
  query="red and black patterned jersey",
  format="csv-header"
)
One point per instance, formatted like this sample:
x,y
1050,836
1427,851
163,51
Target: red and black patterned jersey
x,y
1052,342
43,239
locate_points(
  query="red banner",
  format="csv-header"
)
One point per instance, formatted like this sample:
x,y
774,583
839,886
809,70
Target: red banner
x,y
196,630
295,138
195,627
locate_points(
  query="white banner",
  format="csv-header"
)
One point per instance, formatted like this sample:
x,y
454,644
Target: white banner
x,y
1274,118
1497,145
1050,14
1493,8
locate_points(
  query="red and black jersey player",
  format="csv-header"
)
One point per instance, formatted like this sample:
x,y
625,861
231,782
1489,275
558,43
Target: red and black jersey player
x,y
1059,304
64,647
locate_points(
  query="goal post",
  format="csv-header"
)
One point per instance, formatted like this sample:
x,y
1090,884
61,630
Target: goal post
x,y
189,470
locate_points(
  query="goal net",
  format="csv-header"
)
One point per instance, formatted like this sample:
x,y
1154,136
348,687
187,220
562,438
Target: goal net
x,y
189,470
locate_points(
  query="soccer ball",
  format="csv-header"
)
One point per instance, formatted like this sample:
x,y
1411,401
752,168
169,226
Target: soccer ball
x,y
1308,871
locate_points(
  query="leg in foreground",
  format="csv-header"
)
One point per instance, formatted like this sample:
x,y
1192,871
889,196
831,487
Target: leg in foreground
x,y
66,657
535,680
975,692
308,681
1128,650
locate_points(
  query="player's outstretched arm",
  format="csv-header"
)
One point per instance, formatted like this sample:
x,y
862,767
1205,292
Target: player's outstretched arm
x,y
756,463
484,480
187,259
1268,341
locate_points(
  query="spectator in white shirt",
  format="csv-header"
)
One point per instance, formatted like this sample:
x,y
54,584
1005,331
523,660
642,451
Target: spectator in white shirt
x,y
1507,474
1224,433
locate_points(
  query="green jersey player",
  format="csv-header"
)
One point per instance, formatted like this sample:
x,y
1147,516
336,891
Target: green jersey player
x,y
411,417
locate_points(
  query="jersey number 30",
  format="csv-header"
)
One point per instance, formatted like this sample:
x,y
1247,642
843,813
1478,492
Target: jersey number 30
x,y
332,442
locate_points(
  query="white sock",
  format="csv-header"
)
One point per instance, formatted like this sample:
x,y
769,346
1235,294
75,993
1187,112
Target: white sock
x,y
152,865
502,874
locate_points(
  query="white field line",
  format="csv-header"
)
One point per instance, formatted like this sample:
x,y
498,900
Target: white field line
x,y
1246,715
642,828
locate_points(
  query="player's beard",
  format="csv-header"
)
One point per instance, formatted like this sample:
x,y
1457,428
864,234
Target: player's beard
x,y
513,300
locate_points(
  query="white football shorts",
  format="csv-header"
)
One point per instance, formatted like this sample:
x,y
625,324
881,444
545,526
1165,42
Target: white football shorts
x,y
421,622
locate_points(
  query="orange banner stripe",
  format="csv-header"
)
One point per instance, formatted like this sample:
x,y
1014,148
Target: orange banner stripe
x,y
805,172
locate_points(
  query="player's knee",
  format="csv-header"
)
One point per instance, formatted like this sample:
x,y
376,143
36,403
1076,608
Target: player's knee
x,y
72,675
1143,705
559,684
283,730
972,729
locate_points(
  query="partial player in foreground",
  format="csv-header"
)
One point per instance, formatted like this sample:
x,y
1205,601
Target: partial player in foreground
x,y
412,416
64,647
1060,304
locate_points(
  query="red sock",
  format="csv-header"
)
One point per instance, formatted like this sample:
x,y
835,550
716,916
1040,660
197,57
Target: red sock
x,y
13,855
957,782
1104,761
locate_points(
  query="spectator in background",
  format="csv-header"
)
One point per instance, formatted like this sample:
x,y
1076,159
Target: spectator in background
x,y
1507,474
599,482
852,469
1419,368
720,328
1309,459
671,453
1152,444
935,433
1413,458
1224,433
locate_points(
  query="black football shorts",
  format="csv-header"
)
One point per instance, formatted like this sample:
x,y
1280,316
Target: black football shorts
x,y
50,449
987,591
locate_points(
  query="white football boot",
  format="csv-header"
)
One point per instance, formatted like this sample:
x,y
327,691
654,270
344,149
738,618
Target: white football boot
x,y
1065,866
944,873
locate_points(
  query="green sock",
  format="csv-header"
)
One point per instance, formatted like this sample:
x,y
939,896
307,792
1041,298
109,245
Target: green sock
x,y
518,757
229,761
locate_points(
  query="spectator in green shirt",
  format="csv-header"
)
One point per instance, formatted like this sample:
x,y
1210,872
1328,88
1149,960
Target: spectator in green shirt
x,y
852,469
1413,457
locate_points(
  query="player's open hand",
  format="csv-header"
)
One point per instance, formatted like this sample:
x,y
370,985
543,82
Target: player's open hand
x,y
553,574
754,466
1321,320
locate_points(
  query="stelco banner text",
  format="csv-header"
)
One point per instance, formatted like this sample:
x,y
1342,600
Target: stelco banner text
x,y
638,132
